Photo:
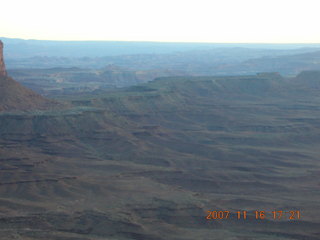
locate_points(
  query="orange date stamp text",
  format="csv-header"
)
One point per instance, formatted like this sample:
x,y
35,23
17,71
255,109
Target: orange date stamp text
x,y
258,215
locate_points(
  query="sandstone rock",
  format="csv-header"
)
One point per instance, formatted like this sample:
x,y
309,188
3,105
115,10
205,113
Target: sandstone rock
x,y
3,71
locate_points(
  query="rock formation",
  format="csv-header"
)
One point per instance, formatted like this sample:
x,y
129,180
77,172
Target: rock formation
x,y
3,71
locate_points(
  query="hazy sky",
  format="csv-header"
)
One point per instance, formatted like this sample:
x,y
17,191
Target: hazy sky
x,y
284,21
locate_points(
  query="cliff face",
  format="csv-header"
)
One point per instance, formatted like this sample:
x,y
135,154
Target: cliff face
x,y
3,71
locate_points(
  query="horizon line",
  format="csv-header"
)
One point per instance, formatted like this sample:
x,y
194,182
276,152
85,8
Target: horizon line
x,y
155,41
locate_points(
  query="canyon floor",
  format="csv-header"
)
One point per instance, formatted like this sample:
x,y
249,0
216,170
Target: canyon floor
x,y
148,162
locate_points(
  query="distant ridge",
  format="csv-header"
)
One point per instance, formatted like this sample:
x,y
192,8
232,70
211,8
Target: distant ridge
x,y
14,96
309,75
18,48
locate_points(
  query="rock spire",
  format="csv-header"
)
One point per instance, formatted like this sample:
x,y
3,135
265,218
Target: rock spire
x,y
3,71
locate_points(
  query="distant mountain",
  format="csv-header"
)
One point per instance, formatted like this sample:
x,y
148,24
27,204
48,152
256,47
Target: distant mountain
x,y
198,59
20,48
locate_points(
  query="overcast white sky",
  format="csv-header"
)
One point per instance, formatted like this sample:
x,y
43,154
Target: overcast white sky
x,y
251,21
